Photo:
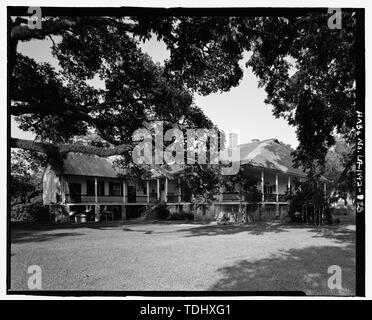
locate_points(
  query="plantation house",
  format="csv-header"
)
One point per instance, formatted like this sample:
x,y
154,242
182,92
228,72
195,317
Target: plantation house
x,y
90,183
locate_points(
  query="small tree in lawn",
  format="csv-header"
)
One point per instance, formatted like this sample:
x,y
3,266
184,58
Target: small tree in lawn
x,y
308,203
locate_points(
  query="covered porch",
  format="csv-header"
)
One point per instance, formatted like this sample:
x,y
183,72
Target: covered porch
x,y
273,185
97,191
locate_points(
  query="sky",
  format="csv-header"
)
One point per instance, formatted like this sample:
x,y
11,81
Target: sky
x,y
242,109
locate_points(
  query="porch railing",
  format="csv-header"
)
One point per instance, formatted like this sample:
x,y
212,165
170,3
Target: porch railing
x,y
185,197
83,198
172,198
271,197
153,197
231,196
282,198
175,198
142,198
268,197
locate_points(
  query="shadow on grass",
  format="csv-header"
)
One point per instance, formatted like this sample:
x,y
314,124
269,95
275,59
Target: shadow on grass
x,y
141,231
39,232
98,225
293,270
339,233
36,232
24,237
66,225
229,229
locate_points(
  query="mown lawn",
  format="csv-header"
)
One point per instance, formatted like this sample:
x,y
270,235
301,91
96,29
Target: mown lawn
x,y
180,256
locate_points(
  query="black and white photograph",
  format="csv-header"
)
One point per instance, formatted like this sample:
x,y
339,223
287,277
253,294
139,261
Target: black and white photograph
x,y
165,151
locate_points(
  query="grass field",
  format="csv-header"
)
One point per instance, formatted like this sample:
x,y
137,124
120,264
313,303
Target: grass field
x,y
182,256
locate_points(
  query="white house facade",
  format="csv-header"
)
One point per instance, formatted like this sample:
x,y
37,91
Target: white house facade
x,y
89,183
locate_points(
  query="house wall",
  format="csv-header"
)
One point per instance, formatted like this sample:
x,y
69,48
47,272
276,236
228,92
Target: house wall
x,y
172,187
141,192
82,180
153,186
139,187
77,179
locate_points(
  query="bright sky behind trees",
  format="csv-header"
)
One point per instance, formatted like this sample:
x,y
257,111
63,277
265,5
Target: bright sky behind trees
x,y
241,109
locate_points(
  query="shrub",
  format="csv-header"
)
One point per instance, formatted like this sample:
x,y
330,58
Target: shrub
x,y
33,211
58,213
181,215
162,211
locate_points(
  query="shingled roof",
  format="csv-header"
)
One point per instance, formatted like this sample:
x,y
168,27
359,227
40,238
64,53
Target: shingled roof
x,y
270,154
90,165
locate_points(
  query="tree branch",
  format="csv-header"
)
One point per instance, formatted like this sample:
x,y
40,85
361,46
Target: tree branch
x,y
56,150
64,109
20,31
56,27
73,112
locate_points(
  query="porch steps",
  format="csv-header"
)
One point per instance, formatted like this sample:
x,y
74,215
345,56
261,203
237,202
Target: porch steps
x,y
148,210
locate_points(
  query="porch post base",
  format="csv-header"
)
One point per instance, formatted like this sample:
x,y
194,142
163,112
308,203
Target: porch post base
x,y
277,211
123,212
97,216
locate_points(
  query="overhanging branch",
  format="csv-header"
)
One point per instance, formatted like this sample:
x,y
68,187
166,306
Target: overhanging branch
x,y
56,27
72,111
56,150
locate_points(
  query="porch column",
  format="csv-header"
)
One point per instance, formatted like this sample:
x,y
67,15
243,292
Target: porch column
x,y
97,211
289,184
325,188
63,192
158,188
124,191
148,190
97,216
276,187
220,195
277,209
166,189
95,190
262,186
179,190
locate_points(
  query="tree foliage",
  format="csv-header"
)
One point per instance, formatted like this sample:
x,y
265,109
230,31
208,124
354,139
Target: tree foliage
x,y
342,182
307,70
58,105
308,202
26,186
